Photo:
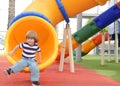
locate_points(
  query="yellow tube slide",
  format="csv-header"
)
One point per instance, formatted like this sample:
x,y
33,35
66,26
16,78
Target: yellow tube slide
x,y
46,32
48,39
50,9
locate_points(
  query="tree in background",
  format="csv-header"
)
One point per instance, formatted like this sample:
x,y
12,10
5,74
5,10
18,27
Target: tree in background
x,y
11,10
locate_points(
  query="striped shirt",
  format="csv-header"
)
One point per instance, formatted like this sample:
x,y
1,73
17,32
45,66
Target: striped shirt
x,y
28,50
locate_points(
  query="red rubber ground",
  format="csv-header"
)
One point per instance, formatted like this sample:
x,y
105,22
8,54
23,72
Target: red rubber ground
x,y
51,77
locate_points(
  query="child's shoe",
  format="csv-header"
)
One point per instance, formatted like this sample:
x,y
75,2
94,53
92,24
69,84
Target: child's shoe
x,y
35,83
8,72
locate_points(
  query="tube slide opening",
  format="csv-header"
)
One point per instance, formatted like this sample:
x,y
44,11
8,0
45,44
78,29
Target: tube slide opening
x,y
47,39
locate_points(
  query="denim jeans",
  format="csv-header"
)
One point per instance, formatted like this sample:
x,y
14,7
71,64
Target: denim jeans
x,y
27,62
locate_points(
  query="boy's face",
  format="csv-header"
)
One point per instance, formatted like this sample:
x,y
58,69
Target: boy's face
x,y
30,41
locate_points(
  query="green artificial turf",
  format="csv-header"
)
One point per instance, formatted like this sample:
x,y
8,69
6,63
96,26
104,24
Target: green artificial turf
x,y
109,69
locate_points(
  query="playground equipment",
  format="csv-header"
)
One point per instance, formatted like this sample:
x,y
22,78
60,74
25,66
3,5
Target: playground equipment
x,y
42,15
91,29
67,32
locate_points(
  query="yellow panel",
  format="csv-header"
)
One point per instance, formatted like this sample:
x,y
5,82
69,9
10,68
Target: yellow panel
x,y
87,46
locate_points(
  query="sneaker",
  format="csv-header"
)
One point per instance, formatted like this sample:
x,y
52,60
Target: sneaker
x,y
7,72
35,83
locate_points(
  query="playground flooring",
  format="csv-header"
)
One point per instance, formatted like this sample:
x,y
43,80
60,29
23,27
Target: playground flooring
x,y
52,77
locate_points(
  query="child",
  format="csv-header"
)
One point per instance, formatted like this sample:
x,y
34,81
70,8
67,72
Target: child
x,y
29,47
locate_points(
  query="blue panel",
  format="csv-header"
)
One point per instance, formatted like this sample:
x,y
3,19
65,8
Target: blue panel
x,y
63,11
107,17
31,13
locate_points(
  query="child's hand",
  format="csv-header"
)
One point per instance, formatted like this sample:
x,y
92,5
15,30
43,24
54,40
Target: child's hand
x,y
39,58
39,61
11,53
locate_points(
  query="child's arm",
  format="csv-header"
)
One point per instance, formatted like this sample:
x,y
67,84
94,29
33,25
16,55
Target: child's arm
x,y
13,51
39,57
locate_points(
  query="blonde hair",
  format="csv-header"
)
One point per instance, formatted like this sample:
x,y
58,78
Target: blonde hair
x,y
32,34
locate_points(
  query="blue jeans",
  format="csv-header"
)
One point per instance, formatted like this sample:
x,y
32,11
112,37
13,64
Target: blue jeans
x,y
31,63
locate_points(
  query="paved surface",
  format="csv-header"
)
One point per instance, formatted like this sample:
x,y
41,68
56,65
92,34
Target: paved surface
x,y
51,77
